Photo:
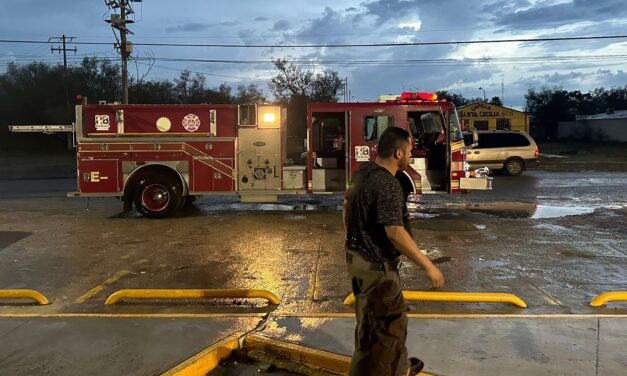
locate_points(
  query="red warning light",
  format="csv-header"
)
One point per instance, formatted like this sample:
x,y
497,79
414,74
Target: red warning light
x,y
432,97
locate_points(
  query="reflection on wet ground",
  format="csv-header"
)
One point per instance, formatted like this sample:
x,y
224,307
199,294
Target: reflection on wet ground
x,y
545,249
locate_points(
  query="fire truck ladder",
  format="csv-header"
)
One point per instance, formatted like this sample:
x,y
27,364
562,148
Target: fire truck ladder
x,y
48,129
210,161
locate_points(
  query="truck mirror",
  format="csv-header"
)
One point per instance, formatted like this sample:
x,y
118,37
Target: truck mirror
x,y
475,137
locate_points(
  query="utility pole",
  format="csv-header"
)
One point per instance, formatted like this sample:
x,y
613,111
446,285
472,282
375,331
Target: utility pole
x,y
63,49
62,39
502,90
119,22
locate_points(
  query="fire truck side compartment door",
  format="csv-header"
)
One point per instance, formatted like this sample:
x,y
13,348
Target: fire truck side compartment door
x,y
99,176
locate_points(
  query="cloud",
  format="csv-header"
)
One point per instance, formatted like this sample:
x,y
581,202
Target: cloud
x,y
229,23
281,25
261,19
560,14
188,27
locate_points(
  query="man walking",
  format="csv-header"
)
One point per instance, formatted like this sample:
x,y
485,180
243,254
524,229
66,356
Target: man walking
x,y
373,213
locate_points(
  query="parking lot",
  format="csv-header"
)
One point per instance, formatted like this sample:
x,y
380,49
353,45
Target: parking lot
x,y
556,240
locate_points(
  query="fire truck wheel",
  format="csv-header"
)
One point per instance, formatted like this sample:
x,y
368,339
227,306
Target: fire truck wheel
x,y
158,196
514,166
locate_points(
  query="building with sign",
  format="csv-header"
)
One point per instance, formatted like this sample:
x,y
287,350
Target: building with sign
x,y
486,116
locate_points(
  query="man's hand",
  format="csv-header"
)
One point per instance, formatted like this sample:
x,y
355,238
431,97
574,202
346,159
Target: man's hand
x,y
406,245
435,276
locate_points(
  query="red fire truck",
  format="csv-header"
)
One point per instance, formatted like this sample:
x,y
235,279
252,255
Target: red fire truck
x,y
158,157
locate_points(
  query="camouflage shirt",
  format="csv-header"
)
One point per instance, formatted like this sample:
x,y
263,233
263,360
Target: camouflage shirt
x,y
375,200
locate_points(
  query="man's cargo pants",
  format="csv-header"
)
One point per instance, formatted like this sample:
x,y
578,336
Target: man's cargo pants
x,y
381,318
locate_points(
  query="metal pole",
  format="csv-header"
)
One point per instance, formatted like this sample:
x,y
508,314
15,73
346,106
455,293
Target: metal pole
x,y
123,52
502,90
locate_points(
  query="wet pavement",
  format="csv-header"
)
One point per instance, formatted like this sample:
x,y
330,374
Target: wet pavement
x,y
107,346
482,346
554,239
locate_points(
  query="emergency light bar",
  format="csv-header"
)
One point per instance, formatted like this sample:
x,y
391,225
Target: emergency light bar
x,y
419,96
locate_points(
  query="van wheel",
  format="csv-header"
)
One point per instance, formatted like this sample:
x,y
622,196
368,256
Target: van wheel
x,y
157,196
514,166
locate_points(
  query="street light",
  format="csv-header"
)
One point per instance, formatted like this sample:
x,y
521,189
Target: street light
x,y
483,93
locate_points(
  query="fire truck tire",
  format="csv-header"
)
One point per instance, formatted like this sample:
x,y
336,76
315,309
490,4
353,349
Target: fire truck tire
x,y
158,195
514,166
189,200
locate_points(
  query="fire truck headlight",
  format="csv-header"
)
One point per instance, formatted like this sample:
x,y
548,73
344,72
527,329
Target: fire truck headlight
x,y
269,117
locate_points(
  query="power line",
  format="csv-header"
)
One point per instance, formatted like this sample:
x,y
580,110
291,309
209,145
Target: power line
x,y
207,74
401,44
408,62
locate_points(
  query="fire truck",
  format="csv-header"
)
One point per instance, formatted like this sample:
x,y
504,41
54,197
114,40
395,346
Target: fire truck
x,y
159,157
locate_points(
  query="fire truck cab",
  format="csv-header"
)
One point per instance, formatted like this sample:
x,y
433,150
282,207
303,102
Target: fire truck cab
x,y
341,136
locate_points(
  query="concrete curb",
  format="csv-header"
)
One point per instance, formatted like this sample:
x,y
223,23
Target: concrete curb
x,y
208,359
296,357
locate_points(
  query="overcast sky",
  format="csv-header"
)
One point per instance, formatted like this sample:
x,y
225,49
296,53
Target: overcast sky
x,y
584,65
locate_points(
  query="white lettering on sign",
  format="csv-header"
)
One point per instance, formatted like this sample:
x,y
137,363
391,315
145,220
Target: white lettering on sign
x,y
213,123
362,153
102,122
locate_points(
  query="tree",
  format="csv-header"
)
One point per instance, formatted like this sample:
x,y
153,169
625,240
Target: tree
x,y
457,99
548,106
190,89
496,101
249,94
219,95
292,81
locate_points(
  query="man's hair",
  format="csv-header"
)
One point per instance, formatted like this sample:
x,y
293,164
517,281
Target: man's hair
x,y
391,139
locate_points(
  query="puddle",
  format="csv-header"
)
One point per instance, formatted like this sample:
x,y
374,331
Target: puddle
x,y
415,216
479,227
516,210
547,211
239,207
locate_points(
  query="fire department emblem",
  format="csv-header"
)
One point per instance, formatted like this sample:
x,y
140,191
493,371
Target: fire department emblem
x,y
164,124
191,123
102,123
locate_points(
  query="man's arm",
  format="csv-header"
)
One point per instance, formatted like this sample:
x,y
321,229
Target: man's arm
x,y
401,239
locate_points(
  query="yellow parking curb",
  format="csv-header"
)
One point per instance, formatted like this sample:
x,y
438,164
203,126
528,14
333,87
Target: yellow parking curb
x,y
299,354
24,294
331,363
473,297
208,359
191,294
606,297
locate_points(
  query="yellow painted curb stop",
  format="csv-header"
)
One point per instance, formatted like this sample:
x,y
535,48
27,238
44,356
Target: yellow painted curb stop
x,y
472,297
24,294
208,359
612,296
191,294
318,359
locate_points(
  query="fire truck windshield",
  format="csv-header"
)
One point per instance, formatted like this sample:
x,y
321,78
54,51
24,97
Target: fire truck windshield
x,y
455,129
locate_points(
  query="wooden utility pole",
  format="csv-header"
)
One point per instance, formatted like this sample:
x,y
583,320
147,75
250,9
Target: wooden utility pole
x,y
63,49
119,22
124,52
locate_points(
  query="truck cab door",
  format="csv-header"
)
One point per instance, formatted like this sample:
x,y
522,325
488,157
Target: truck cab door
x,y
365,133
